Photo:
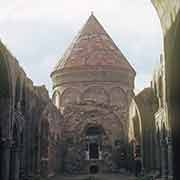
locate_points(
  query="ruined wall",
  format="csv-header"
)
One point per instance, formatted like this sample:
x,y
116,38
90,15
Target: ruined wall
x,y
142,128
162,122
169,14
22,107
153,133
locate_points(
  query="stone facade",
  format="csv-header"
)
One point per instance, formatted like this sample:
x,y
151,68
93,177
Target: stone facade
x,y
93,86
142,128
29,124
150,126
31,139
163,128
169,14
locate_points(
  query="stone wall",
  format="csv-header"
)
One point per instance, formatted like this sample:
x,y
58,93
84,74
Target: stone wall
x,y
92,100
169,14
142,128
150,126
162,122
24,109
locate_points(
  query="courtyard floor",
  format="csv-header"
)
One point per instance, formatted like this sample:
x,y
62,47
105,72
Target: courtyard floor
x,y
95,177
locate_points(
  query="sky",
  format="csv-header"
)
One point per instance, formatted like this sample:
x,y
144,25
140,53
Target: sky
x,y
37,33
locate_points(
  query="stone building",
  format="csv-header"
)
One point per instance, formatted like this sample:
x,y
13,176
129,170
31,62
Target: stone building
x,y
93,86
169,15
142,128
29,124
162,123
150,126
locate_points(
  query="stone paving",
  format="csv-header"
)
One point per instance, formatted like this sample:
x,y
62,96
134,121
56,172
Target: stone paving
x,y
95,177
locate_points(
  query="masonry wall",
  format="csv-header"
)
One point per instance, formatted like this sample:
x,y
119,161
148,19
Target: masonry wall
x,y
169,14
23,110
97,98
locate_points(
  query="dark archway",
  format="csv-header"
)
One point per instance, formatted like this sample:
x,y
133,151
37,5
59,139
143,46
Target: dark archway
x,y
94,131
94,169
94,142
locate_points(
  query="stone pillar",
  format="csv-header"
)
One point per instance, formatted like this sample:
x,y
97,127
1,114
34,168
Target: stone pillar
x,y
164,160
151,151
38,158
5,145
158,155
14,163
44,167
170,158
22,163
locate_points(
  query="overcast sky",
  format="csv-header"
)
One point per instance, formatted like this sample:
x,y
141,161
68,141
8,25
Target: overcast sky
x,y
37,32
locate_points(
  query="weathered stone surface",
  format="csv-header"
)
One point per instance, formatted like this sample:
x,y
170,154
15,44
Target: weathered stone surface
x,y
29,124
149,126
93,86
169,14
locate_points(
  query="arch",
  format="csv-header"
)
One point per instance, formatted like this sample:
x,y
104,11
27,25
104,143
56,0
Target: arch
x,y
93,141
135,133
160,87
6,98
70,96
171,28
17,92
93,128
5,78
145,106
95,94
118,97
56,98
94,169
23,100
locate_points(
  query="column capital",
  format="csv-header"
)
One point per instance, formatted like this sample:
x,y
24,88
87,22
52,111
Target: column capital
x,y
5,143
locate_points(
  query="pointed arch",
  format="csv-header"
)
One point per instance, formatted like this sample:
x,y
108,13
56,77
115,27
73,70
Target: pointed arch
x,y
95,94
6,97
70,96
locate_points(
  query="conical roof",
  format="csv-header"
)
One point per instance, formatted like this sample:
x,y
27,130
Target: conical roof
x,y
93,47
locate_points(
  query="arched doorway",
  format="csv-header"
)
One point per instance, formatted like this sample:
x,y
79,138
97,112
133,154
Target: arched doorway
x,y
94,169
94,143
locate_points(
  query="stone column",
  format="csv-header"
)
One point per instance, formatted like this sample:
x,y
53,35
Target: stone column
x,y
22,163
151,152
170,157
164,160
38,157
5,145
15,163
158,155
